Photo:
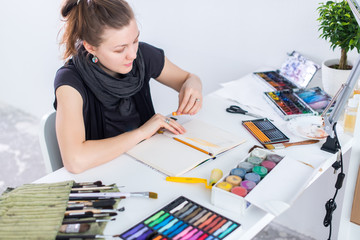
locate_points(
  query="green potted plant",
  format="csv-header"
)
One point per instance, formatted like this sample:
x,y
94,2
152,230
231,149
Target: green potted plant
x,y
338,26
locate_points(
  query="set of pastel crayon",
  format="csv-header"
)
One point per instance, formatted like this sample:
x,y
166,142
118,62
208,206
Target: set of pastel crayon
x,y
182,219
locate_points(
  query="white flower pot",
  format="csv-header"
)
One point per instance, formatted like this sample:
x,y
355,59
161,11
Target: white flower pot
x,y
333,78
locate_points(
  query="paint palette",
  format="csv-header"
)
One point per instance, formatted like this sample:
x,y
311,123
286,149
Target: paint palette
x,y
265,131
182,219
275,80
294,103
296,72
231,191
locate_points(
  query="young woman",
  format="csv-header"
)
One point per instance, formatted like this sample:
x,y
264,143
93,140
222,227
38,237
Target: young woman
x,y
102,93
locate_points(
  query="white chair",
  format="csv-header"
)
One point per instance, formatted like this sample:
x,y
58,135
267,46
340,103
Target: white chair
x,y
49,144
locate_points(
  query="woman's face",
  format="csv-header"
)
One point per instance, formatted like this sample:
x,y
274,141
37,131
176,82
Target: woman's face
x,y
118,50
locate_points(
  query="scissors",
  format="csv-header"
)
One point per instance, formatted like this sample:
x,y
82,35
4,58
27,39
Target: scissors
x,y
237,109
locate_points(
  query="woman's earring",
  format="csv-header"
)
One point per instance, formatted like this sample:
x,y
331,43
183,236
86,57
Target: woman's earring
x,y
94,59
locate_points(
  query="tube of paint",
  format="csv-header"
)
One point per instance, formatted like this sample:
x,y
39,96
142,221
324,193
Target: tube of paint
x,y
216,175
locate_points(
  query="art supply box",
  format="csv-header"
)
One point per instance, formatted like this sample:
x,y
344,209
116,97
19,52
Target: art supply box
x,y
290,103
272,193
265,131
296,72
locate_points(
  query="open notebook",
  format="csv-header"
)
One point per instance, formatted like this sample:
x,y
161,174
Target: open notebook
x,y
176,154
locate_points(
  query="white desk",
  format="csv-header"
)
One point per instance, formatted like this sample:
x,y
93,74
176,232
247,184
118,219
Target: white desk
x,y
135,176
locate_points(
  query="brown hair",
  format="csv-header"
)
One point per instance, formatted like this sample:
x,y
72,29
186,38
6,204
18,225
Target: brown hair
x,y
85,20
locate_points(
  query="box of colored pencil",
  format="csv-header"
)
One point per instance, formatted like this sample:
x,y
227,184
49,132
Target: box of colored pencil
x,y
265,131
231,190
182,219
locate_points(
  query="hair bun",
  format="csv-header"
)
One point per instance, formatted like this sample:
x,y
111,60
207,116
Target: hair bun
x,y
68,6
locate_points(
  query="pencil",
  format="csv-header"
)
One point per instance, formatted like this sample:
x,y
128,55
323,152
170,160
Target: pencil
x,y
190,145
175,114
258,133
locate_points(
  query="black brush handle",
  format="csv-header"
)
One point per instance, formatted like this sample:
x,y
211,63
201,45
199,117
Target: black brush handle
x,y
104,203
89,236
80,215
84,190
78,221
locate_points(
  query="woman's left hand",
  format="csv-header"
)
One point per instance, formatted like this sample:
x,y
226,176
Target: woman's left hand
x,y
190,96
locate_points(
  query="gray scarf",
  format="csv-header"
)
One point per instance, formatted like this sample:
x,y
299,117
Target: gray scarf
x,y
109,90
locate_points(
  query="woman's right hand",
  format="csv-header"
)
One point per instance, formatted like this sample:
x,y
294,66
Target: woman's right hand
x,y
158,122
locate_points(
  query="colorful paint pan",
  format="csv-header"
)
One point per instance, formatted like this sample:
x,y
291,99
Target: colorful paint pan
x,y
258,153
262,171
253,177
248,185
299,102
182,219
274,79
246,165
233,180
256,161
241,191
225,186
269,165
239,172
274,158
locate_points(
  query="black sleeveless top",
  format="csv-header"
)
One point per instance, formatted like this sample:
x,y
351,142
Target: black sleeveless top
x,y
102,123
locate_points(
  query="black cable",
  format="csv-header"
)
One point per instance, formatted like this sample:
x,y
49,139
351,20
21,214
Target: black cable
x,y
330,205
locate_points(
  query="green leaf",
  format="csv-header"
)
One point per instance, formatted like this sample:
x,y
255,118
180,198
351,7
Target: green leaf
x,y
338,25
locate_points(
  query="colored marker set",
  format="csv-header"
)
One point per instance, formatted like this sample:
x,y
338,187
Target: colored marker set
x,y
182,219
231,191
265,131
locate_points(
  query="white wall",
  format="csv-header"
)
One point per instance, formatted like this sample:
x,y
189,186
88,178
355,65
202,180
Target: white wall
x,y
218,40
29,55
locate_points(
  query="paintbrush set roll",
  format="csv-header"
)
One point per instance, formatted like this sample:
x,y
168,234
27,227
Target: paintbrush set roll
x,y
44,211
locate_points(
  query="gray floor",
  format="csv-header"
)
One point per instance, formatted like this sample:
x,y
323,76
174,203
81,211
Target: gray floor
x,y
21,161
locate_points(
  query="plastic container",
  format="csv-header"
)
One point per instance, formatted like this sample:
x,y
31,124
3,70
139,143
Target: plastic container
x,y
350,116
233,197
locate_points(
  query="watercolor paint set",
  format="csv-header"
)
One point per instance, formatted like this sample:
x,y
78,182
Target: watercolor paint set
x,y
182,219
231,191
265,131
301,102
296,72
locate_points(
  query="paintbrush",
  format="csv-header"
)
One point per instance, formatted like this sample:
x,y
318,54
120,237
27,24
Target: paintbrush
x,y
75,207
71,221
72,205
89,236
109,195
92,202
93,210
288,144
90,215
95,184
85,188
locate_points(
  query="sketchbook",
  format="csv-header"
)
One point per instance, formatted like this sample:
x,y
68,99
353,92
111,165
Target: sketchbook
x,y
174,155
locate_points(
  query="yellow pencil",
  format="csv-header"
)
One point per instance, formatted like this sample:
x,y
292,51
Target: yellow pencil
x,y
195,147
175,114
257,132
